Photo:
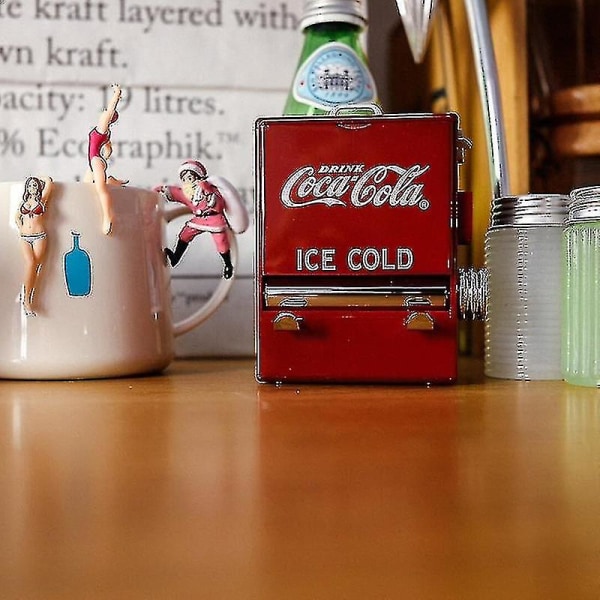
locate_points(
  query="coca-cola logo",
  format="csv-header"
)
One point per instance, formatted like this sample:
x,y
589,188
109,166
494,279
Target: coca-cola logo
x,y
340,185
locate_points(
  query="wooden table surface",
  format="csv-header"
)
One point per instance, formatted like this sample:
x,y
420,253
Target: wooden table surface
x,y
201,483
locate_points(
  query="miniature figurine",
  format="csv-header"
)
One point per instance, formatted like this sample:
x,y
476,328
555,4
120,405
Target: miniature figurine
x,y
30,222
216,207
99,151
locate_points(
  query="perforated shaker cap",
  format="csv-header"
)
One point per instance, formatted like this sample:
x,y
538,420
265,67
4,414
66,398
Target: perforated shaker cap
x,y
327,11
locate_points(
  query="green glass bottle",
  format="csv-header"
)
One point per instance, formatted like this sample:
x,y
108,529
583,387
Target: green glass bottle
x,y
332,69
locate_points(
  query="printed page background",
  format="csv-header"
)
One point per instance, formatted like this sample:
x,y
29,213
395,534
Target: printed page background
x,y
195,76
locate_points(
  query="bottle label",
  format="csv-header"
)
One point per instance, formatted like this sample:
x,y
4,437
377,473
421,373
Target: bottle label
x,y
333,74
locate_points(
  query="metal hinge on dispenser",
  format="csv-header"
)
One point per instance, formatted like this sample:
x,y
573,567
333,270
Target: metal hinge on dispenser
x,y
463,143
473,293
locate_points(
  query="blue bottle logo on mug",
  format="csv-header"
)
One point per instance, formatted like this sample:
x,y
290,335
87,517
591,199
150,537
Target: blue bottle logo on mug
x,y
77,267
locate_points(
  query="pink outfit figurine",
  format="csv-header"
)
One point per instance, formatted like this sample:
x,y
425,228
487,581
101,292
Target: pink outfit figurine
x,y
30,222
216,208
99,151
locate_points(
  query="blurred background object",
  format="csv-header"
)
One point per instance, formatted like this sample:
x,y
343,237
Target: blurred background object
x,y
564,75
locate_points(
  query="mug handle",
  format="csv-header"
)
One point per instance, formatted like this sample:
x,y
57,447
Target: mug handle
x,y
220,292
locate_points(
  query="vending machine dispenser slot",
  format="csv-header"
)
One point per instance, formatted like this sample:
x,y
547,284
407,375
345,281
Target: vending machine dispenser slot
x,y
355,297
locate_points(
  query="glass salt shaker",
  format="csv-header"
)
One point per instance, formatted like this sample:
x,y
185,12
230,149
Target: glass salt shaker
x,y
523,260
581,290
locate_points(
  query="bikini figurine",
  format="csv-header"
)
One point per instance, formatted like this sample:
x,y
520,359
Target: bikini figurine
x,y
30,222
216,208
99,151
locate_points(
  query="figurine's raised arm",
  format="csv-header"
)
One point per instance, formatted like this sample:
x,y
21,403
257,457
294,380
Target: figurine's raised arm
x,y
107,115
47,189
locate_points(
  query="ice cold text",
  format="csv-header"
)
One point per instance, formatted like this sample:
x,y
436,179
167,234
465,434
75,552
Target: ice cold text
x,y
357,259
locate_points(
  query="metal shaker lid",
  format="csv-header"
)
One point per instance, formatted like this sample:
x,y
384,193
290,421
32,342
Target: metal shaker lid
x,y
529,210
585,205
326,11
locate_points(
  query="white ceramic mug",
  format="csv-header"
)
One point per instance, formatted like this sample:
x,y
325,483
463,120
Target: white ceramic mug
x,y
102,303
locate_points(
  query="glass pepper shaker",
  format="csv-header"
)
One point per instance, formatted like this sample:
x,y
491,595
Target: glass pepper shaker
x,y
581,289
523,258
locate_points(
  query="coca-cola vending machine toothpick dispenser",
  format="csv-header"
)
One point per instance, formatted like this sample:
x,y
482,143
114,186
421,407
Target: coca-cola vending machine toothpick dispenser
x,y
358,222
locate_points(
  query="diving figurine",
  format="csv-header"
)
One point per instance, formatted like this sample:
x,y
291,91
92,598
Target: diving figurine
x,y
99,151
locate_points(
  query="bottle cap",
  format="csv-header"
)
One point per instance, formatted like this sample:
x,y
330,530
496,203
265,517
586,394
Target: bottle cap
x,y
327,11
585,205
529,210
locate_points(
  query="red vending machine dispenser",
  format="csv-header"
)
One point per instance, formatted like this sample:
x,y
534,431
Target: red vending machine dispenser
x,y
358,223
